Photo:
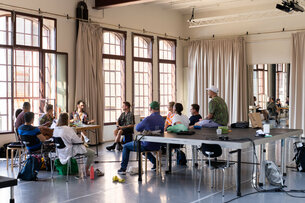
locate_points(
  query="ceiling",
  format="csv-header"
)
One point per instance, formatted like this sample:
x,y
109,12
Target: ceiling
x,y
213,12
202,6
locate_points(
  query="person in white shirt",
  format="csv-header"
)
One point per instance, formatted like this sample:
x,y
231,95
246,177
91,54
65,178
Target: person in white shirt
x,y
179,118
69,137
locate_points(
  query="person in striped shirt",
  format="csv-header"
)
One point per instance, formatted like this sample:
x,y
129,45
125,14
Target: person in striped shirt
x,y
170,115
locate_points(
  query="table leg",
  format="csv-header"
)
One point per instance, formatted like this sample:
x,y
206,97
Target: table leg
x,y
12,200
262,179
12,159
283,157
96,140
169,158
139,160
238,188
193,155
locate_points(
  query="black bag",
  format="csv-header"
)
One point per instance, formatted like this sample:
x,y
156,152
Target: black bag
x,y
181,158
2,152
299,158
244,124
30,170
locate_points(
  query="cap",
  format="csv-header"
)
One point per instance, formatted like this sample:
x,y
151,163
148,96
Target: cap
x,y
213,89
155,105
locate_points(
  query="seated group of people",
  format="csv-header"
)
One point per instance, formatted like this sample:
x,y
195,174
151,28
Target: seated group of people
x,y
217,116
33,137
273,108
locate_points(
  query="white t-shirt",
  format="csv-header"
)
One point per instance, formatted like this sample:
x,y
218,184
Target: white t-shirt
x,y
69,137
183,119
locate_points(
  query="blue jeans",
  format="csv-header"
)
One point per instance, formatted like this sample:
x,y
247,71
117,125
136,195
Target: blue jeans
x,y
208,124
133,146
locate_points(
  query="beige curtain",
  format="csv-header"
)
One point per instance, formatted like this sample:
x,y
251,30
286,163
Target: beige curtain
x,y
250,86
89,81
297,82
221,63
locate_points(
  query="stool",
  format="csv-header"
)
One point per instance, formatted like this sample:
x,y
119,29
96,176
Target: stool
x,y
158,160
13,148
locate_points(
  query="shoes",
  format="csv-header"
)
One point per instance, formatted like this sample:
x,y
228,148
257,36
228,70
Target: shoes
x,y
111,147
154,167
122,171
119,147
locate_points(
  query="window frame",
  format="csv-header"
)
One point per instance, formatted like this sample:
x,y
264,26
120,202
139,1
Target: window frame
x,y
174,62
14,46
142,59
117,57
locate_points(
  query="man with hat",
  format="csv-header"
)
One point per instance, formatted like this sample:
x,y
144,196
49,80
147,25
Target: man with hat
x,y
154,122
218,111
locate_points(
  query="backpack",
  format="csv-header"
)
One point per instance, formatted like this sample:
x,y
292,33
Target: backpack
x,y
30,170
181,158
299,158
273,174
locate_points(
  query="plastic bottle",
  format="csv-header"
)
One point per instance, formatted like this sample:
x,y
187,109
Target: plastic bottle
x,y
91,173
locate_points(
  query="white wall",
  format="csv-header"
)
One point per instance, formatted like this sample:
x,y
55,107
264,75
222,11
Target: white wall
x,y
151,18
146,17
261,48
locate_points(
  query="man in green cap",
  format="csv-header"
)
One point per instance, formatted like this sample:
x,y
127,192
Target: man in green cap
x,y
154,122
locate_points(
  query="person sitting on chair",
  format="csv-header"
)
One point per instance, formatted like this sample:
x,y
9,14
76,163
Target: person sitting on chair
x,y
69,138
154,122
30,134
179,118
20,118
47,118
170,115
80,115
125,125
218,111
195,115
273,109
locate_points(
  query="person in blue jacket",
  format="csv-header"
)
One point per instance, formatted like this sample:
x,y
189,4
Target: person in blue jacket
x,y
154,122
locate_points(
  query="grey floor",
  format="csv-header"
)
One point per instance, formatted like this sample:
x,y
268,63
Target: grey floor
x,y
180,186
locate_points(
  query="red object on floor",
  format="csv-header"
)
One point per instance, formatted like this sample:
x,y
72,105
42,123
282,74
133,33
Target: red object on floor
x,y
92,173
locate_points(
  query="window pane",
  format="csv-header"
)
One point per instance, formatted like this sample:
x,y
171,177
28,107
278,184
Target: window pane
x,y
48,34
114,90
27,32
167,85
113,43
5,28
142,75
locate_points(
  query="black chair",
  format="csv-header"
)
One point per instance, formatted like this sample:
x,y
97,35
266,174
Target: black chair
x,y
59,144
213,151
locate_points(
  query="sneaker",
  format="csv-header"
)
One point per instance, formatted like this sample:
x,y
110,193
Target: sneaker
x,y
154,167
111,147
122,171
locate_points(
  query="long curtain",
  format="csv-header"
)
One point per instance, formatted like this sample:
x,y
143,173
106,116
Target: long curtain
x,y
297,82
221,63
89,81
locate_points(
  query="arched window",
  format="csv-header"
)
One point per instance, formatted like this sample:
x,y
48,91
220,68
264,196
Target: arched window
x,y
114,73
142,74
167,73
30,75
